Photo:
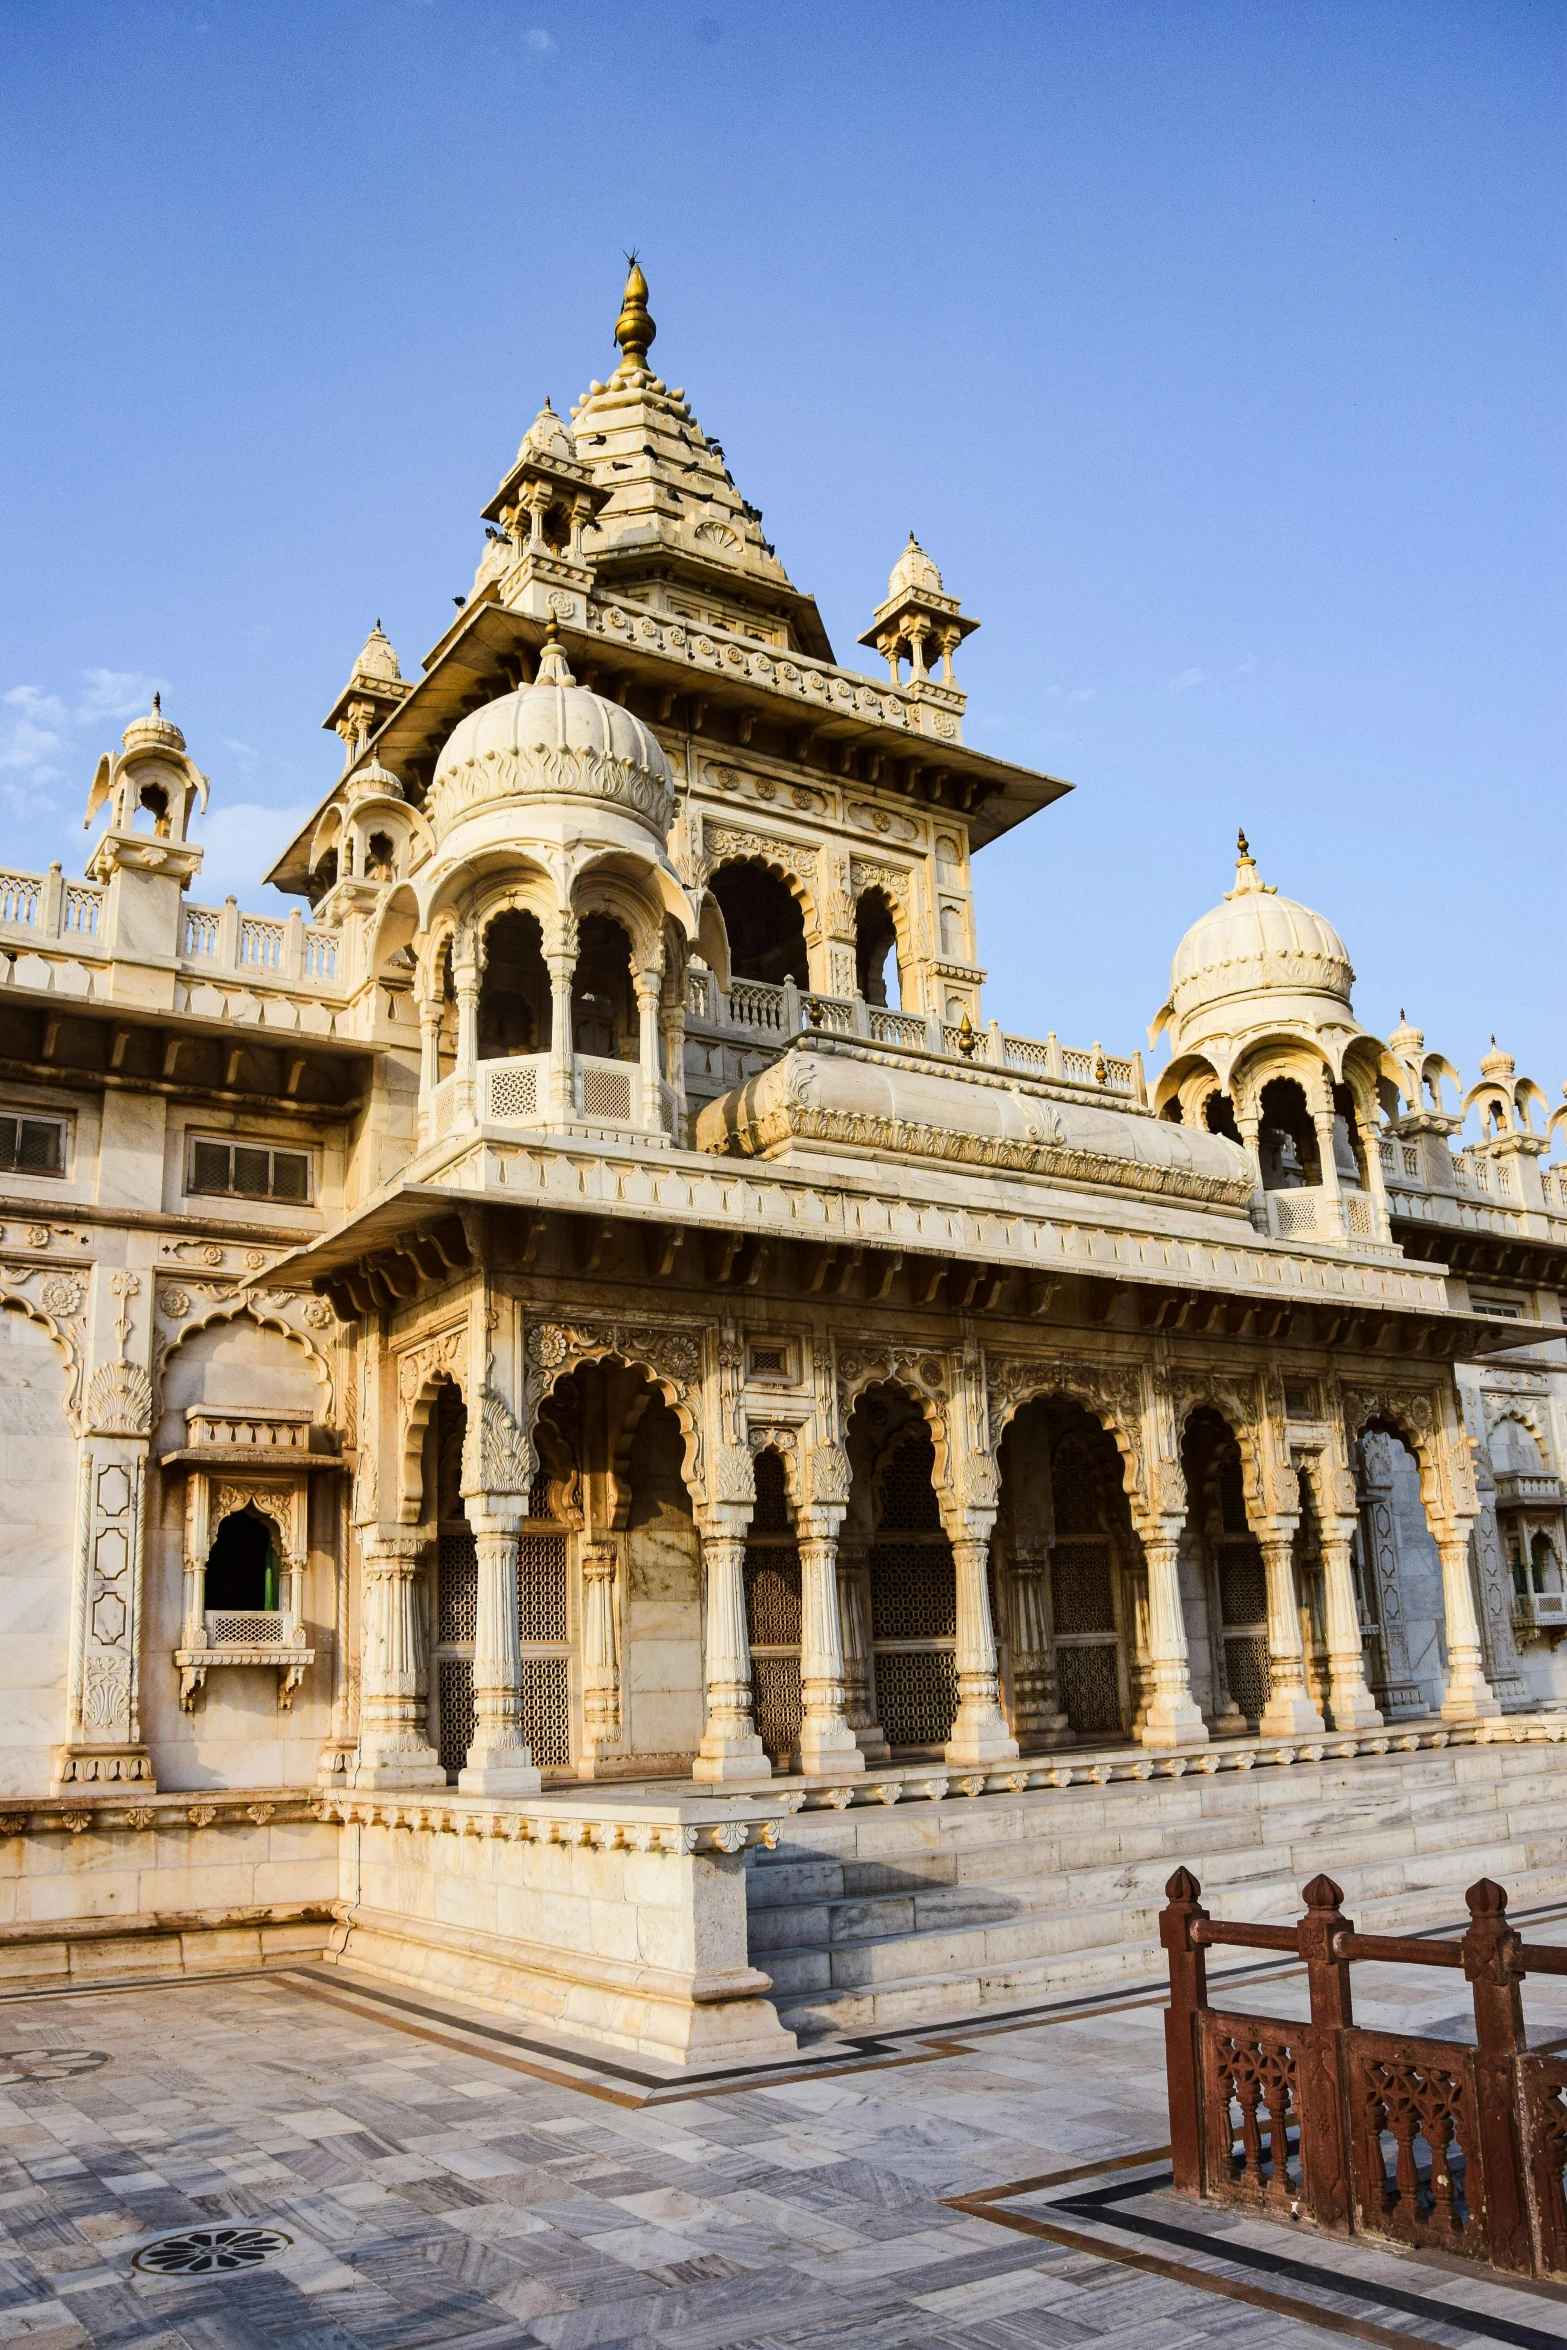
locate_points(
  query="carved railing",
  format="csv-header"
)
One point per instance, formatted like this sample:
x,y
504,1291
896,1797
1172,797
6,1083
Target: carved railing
x,y
1438,2144
50,906
770,1013
285,950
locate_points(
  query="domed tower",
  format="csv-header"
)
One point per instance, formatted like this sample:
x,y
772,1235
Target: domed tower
x,y
552,924
1265,1046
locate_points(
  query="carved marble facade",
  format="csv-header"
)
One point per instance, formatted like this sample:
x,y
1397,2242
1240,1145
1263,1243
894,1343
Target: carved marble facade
x,y
635,1318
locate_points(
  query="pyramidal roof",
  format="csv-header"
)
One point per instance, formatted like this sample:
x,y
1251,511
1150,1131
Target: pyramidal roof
x,y
674,515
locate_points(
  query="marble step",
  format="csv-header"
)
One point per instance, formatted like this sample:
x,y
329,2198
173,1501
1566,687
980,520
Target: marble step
x,y
812,2001
936,1909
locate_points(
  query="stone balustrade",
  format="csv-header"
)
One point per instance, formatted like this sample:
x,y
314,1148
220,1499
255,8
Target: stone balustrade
x,y
758,1012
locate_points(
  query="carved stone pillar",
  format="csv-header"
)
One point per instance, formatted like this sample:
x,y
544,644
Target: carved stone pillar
x,y
1468,1696
854,1623
980,1735
600,1651
560,956
394,1748
499,1761
1171,1717
1036,1716
827,1744
646,984
465,978
1349,1700
429,1065
730,1747
672,1026
1289,1712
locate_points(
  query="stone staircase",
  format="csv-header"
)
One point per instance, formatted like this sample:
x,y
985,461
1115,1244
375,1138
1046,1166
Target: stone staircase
x,y
883,1915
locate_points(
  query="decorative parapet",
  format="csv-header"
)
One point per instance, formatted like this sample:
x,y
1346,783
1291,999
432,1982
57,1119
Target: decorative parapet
x,y
128,1810
680,1827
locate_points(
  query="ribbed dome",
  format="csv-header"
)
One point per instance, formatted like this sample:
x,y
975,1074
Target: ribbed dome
x,y
553,740
1255,939
913,569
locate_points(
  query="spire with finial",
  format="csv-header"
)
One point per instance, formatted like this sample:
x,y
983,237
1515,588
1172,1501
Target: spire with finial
x,y
634,328
554,668
157,711
1247,878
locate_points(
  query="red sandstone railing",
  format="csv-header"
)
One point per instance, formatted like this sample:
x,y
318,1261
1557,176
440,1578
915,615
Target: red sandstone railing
x,y
1433,2143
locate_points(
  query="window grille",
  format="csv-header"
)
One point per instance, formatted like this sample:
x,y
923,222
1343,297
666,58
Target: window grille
x,y
914,1593
776,1703
772,1596
1075,1492
1358,1209
1080,1588
457,1587
541,1587
514,1093
1243,1584
253,1627
539,1495
1296,1212
546,1709
1090,1687
1248,1672
249,1171
32,1146
606,1093
454,1686
908,1497
916,1695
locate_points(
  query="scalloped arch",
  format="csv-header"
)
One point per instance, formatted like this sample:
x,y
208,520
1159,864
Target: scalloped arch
x,y
232,1310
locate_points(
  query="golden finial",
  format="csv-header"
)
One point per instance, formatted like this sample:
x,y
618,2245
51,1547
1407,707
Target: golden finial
x,y
634,328
1243,844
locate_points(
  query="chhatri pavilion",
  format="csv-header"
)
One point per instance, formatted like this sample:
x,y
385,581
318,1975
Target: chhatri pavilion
x,y
584,1433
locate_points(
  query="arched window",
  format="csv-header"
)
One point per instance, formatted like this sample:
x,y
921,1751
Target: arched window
x,y
876,950
603,1005
1286,1138
766,933
244,1569
380,857
514,993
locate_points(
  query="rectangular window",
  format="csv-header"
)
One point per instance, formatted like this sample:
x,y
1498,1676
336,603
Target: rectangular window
x,y
249,1170
32,1146
1507,1309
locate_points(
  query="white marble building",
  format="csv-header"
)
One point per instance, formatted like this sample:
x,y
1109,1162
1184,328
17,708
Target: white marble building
x,y
582,1345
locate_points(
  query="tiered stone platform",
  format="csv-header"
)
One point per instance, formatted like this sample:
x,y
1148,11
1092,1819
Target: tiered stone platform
x,y
879,1906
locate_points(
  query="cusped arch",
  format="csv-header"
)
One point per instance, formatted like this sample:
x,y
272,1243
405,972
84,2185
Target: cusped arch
x,y
416,1419
1400,1416
570,1349
929,1398
1305,1059
396,927
13,1301
245,1308
773,858
1121,1422
1240,1421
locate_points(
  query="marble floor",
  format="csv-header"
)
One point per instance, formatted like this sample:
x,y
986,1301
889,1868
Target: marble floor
x,y
399,2173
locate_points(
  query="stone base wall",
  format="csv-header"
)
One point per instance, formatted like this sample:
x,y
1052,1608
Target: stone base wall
x,y
615,1921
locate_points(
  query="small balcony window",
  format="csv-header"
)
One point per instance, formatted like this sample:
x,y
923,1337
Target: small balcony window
x,y
244,1170
32,1146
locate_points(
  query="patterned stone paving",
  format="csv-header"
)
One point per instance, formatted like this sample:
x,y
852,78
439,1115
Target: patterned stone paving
x,y
437,2194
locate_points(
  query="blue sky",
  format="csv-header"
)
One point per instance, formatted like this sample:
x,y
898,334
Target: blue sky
x,y
1215,351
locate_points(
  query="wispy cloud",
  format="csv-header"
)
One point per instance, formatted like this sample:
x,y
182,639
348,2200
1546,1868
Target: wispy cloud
x,y
539,40
240,840
43,739
1187,679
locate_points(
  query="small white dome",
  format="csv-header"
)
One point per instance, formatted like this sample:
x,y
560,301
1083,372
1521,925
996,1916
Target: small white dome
x,y
547,436
913,569
553,740
154,732
378,658
1254,939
